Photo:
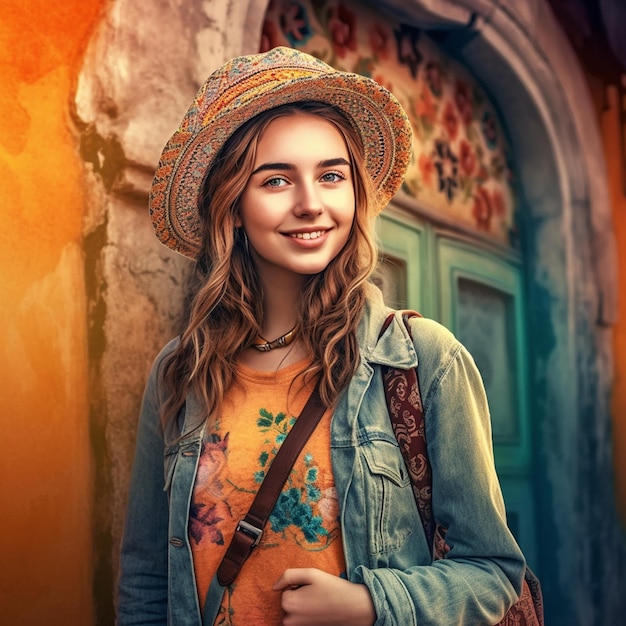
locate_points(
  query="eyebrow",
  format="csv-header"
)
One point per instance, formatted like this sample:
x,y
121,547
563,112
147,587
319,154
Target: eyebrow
x,y
290,167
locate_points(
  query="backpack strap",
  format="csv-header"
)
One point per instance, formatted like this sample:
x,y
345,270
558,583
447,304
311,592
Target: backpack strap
x,y
404,403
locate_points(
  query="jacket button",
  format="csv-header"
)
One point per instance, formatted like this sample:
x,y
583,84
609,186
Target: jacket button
x,y
176,542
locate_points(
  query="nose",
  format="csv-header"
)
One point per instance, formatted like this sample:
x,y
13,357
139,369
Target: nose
x,y
308,201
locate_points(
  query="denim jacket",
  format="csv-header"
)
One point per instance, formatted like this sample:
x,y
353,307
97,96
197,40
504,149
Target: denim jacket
x,y
383,539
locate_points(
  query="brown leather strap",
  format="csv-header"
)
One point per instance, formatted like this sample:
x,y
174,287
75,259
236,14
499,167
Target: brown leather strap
x,y
250,528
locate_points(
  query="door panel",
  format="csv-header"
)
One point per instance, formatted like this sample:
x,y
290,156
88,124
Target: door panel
x,y
520,513
484,318
481,301
402,271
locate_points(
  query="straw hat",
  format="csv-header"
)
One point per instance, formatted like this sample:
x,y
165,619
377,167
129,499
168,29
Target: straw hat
x,y
246,86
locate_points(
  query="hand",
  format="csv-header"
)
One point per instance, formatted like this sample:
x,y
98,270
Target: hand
x,y
311,597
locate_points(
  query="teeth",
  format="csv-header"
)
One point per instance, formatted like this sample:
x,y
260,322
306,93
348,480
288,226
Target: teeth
x,y
314,235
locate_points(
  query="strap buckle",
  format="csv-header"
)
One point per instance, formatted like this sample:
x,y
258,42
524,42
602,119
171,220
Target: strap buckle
x,y
251,531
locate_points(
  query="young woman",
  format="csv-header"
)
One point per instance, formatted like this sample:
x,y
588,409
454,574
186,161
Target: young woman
x,y
271,184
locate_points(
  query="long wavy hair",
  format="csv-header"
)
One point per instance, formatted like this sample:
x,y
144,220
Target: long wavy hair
x,y
226,312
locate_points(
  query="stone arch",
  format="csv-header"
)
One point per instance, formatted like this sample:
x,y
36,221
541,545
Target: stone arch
x,y
519,53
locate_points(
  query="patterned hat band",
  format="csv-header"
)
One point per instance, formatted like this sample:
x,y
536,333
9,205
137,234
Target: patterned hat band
x,y
249,85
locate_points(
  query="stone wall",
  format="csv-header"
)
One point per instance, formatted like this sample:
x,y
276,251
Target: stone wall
x,y
142,70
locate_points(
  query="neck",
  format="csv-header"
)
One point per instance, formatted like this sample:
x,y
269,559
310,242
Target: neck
x,y
280,307
280,313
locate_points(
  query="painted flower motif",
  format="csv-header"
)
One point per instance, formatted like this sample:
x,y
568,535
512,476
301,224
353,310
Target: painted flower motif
x,y
379,40
450,121
483,209
434,77
499,205
406,42
427,169
269,36
295,25
463,100
490,131
342,27
426,109
482,175
467,158
446,164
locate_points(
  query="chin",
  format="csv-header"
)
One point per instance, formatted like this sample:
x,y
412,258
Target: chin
x,y
313,270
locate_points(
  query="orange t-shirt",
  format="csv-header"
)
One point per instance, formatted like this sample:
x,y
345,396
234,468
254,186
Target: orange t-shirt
x,y
303,529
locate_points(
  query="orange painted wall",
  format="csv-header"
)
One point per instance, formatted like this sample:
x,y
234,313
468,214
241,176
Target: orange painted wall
x,y
612,133
45,464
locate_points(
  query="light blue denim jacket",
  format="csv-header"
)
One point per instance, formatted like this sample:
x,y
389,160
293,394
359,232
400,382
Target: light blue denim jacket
x,y
383,539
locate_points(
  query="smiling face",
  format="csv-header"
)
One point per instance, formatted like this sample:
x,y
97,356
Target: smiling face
x,y
298,206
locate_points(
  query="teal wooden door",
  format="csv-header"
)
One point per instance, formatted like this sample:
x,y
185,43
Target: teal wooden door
x,y
400,273
478,294
482,302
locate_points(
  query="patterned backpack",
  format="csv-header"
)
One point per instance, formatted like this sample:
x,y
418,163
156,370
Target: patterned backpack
x,y
404,404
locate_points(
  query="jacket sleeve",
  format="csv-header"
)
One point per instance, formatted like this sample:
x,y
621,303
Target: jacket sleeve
x,y
143,574
482,575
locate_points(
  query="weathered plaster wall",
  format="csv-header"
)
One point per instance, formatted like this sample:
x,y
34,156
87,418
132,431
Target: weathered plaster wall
x,y
142,70
45,465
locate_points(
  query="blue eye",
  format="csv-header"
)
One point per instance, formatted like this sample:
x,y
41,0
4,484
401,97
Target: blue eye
x,y
275,182
331,177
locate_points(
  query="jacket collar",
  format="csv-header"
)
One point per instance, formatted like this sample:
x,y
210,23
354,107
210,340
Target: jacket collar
x,y
395,348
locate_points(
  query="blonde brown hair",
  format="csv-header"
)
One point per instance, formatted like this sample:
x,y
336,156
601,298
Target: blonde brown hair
x,y
226,312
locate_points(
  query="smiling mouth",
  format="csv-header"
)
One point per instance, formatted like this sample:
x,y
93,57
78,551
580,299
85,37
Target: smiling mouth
x,y
314,235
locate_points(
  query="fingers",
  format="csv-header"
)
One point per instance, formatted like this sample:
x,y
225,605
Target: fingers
x,y
311,597
295,577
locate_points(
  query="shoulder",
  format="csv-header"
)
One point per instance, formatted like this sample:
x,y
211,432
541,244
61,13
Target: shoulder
x,y
430,336
444,364
158,363
438,350
166,351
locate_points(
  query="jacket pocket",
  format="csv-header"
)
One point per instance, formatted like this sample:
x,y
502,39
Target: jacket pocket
x,y
388,497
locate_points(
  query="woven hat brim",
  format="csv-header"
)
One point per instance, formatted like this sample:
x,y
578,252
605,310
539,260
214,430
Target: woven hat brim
x,y
374,112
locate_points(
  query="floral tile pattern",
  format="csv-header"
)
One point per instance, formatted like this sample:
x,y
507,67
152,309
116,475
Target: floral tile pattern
x,y
461,165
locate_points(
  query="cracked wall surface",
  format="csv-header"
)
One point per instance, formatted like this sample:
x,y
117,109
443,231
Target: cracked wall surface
x,y
141,71
46,464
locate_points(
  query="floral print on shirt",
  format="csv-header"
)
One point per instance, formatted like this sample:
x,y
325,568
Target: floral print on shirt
x,y
305,513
